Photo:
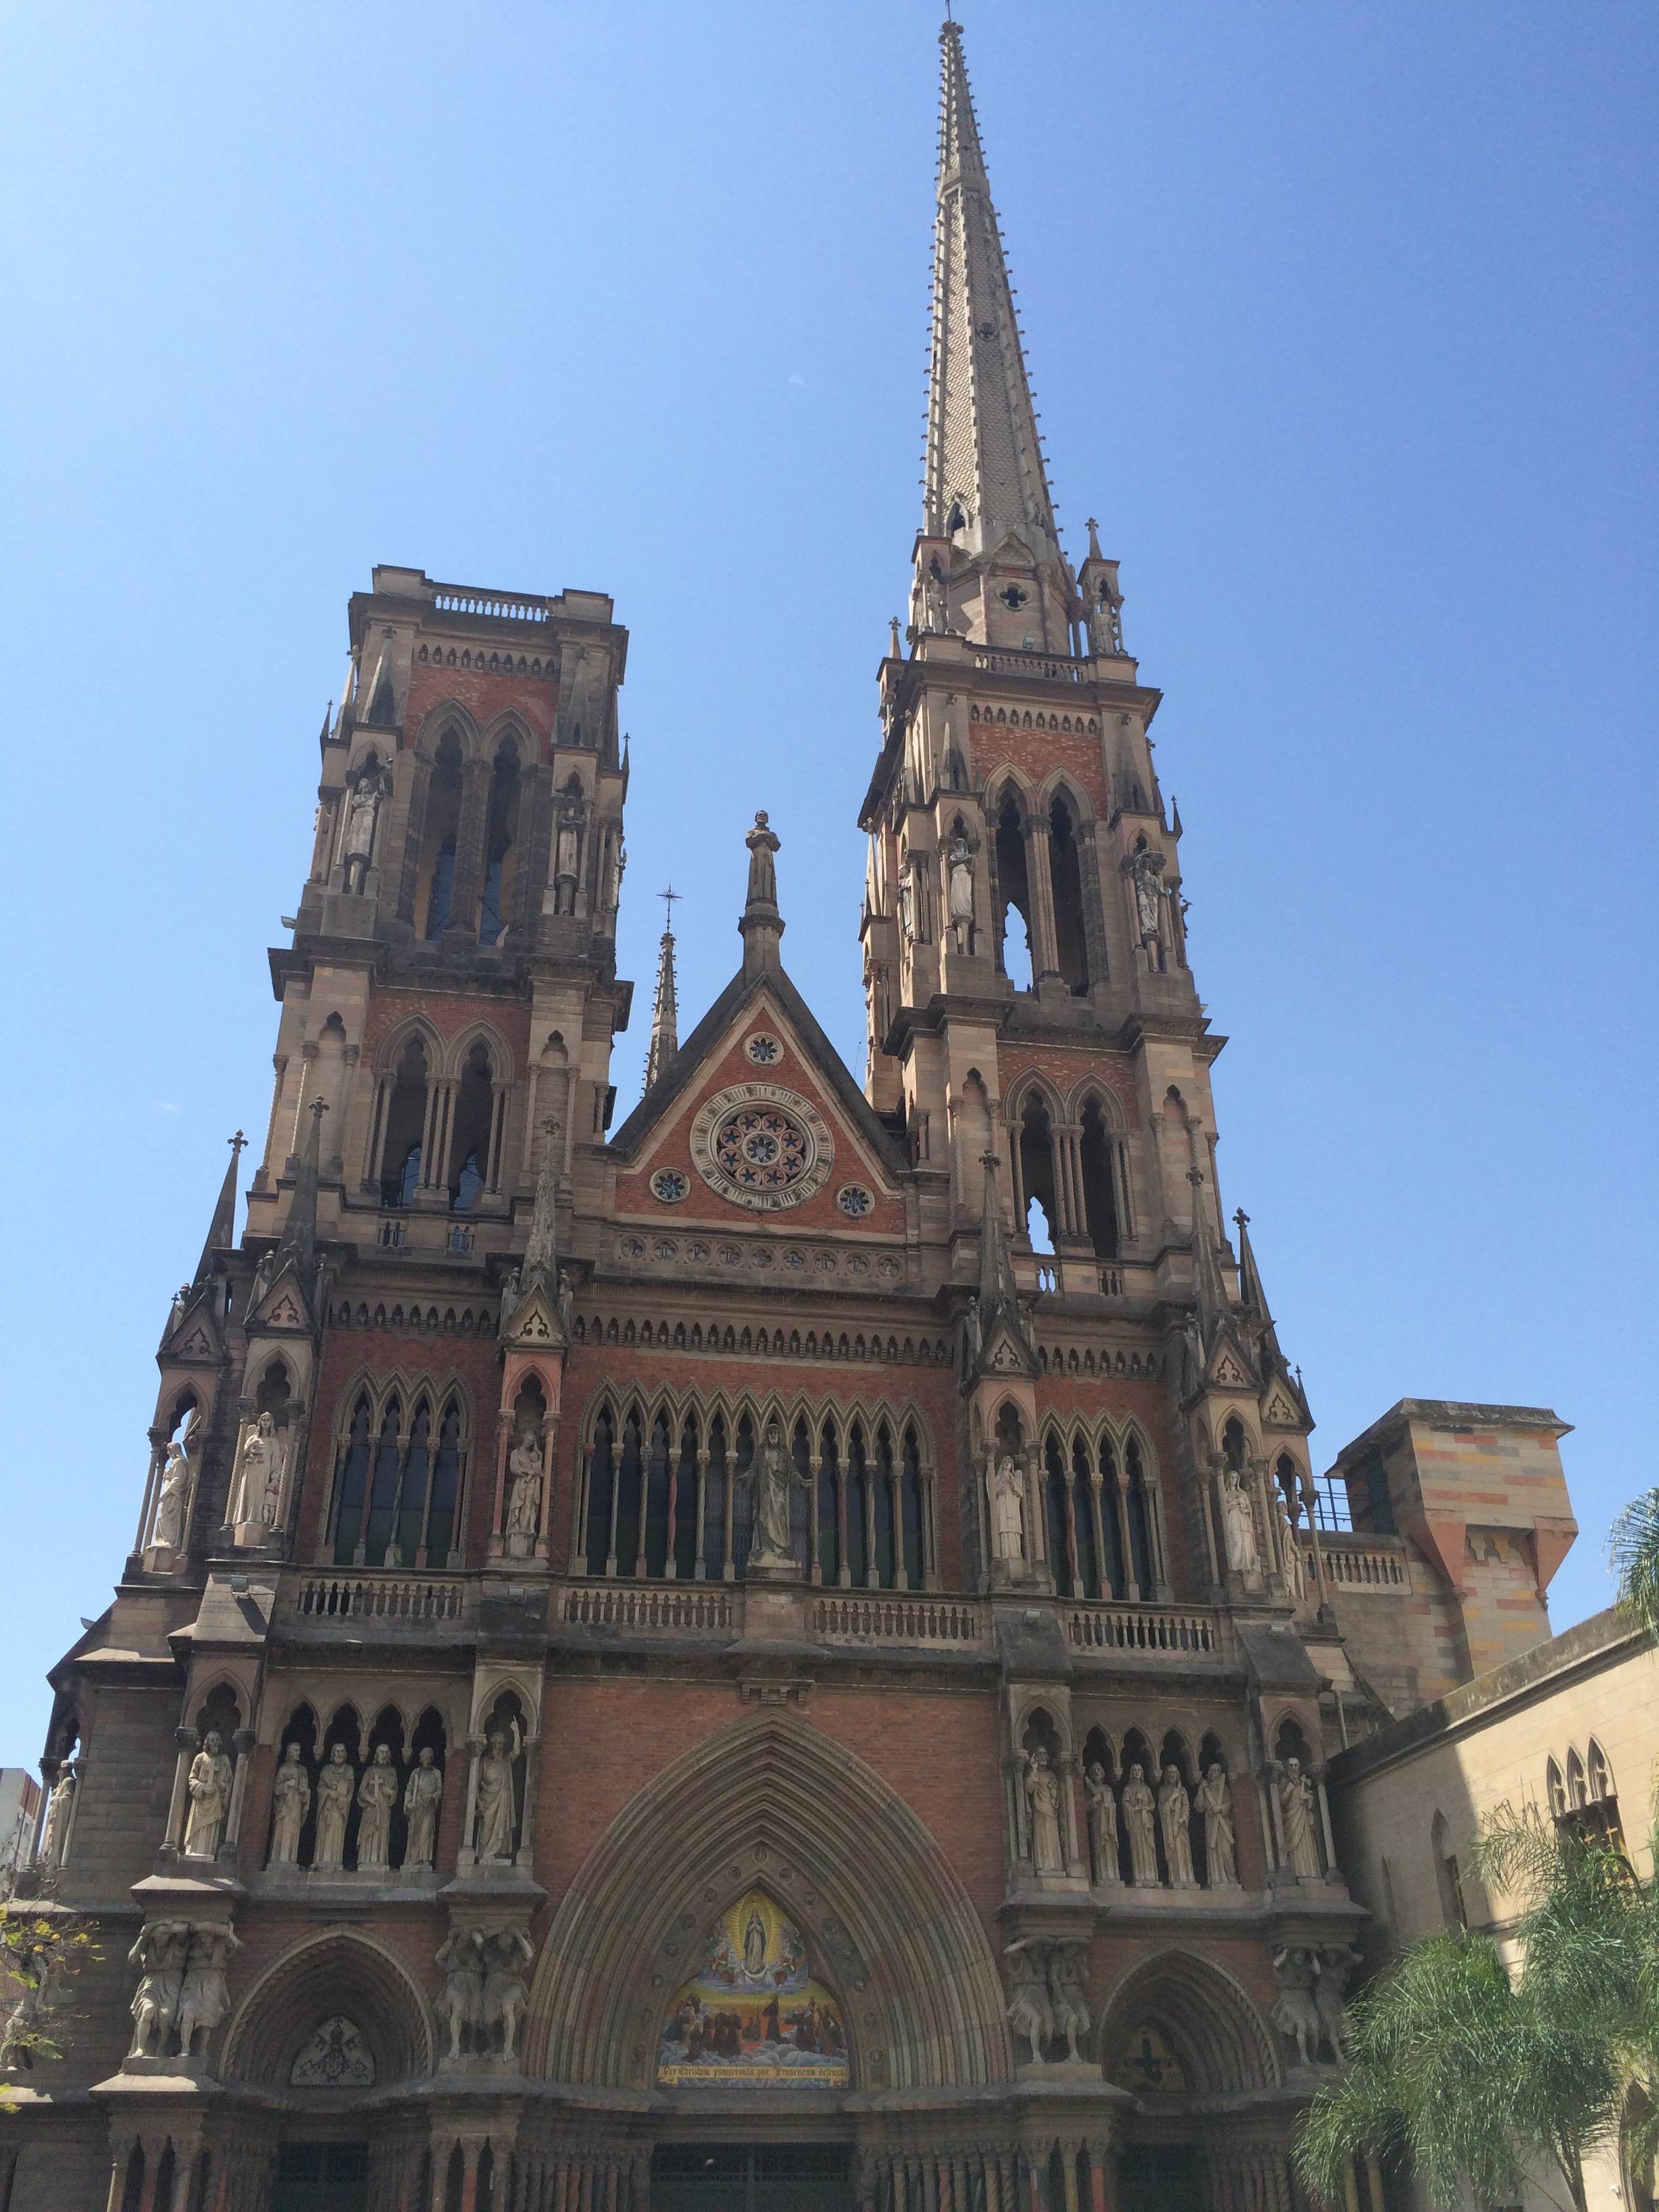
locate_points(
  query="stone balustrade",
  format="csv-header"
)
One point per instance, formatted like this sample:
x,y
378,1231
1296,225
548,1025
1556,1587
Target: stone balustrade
x,y
895,1617
367,1594
1154,1630
671,1608
1363,1563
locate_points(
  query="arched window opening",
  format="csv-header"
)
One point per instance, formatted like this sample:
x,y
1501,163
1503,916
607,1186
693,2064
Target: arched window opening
x,y
374,1533
601,1490
1448,1878
1143,1550
1114,1523
1090,1518
684,1503
860,1530
351,1480
886,1546
627,1498
1577,1794
831,1555
914,1546
1036,1174
1556,1789
397,1489
472,1146
405,1127
1234,1444
499,844
1013,896
652,1558
1597,1778
1058,1513
1065,876
717,1562
1095,1147
443,820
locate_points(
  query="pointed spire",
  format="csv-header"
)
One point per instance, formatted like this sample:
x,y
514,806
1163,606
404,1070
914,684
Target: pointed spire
x,y
221,1230
997,1309
541,1253
328,722
1212,1308
666,1007
1252,1296
300,1230
984,454
1175,816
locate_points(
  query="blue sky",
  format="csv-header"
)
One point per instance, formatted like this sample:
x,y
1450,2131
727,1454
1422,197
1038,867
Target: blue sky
x,y
1341,320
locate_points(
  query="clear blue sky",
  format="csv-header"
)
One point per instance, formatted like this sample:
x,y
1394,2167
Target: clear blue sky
x,y
1341,320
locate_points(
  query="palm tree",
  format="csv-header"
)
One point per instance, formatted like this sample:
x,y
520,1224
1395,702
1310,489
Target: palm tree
x,y
1633,1547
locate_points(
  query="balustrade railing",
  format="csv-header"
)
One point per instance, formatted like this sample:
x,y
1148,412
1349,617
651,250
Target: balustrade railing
x,y
892,1617
450,600
1004,662
1142,1628
677,1608
418,1598
1356,1565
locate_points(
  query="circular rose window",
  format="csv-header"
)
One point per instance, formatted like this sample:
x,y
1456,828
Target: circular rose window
x,y
761,1146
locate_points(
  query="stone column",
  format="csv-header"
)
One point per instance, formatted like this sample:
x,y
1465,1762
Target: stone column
x,y
241,1743
1045,946
187,1746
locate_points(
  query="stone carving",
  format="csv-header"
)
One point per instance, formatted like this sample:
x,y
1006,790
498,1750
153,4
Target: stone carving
x,y
204,1999
1330,1986
1066,1962
1042,1796
566,849
423,1797
1145,870
169,1529
772,1475
460,2003
259,1475
25,2023
335,1787
158,1955
290,1795
1238,1525
959,876
1214,1801
1101,1808
1031,2011
932,602
762,844
1106,621
377,1794
209,1797
1175,1810
505,1992
55,1832
1298,1815
909,926
1295,2014
496,1823
362,811
1295,1580
1141,1821
1007,1490
524,1497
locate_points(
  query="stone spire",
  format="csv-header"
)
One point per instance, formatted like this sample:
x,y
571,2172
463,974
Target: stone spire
x,y
300,1230
666,1007
998,1329
1213,1307
541,1253
984,456
221,1230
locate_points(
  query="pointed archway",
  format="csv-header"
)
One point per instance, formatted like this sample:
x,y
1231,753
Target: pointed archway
x,y
771,1802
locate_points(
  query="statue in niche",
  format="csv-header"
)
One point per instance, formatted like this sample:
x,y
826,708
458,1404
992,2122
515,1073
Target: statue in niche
x,y
762,844
1106,621
1030,2012
1066,1964
203,1998
1174,1809
1238,1524
909,925
1101,1809
1144,870
460,2004
507,1952
54,1833
959,875
566,849
259,1474
362,811
422,1798
209,1797
772,1474
1042,1796
1295,1580
158,1955
524,1496
1141,1821
290,1796
934,615
1295,2014
497,1820
377,1794
169,1529
337,1786
1298,1816
1008,1489
1214,1801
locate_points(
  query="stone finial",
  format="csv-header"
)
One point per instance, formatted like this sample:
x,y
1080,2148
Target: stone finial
x,y
761,925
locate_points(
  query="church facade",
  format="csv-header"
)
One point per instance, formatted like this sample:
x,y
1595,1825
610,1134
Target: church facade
x,y
690,1661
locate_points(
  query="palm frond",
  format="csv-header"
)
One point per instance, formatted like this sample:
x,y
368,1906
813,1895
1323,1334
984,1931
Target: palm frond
x,y
1633,1551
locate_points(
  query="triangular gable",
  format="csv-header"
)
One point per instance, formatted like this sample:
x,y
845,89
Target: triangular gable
x,y
1229,1366
534,1323
283,1305
196,1335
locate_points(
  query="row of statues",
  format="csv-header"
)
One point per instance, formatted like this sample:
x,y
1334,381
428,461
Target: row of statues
x,y
485,1993
181,1995
1140,1817
376,1795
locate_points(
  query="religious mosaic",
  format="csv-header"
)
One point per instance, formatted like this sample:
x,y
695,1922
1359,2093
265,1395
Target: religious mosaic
x,y
753,2015
761,1146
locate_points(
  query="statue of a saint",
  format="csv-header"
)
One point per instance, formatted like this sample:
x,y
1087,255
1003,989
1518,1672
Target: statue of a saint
x,y
1106,621
497,1814
959,870
1102,1810
290,1798
169,1529
460,2006
1144,869
772,1474
1030,2010
763,843
362,810
259,1474
1238,1524
1008,1488
335,1787
1295,2014
524,1496
54,1833
1043,1795
932,602
909,925
568,847
209,1797
1296,1576
1298,1816
1140,1820
1214,1801
422,1797
377,1793
203,1998
1174,1809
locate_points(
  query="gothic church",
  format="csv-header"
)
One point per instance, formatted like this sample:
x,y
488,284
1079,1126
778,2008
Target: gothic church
x,y
694,1662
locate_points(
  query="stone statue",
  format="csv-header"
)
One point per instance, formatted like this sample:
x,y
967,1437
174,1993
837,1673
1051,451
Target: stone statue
x,y
55,1832
524,1496
1294,2012
1296,1578
772,1474
1330,1985
1102,1810
209,1797
932,602
423,1797
158,1955
335,1787
204,1999
506,1993
909,925
1106,621
566,849
1043,1795
1298,1816
1030,2013
1214,1801
377,1793
1144,870
460,2004
362,810
290,1796
1066,1964
496,1813
1140,1820
763,843
169,1529
259,1472
1238,1525
959,874
1008,1489
1174,1809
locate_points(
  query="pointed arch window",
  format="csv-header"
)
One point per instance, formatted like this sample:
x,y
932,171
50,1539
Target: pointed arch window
x,y
1098,1158
1065,876
397,1488
499,840
1036,1174
1013,896
442,826
404,1121
475,1121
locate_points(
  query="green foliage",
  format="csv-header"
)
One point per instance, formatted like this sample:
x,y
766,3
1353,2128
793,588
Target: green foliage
x,y
1633,1549
39,1951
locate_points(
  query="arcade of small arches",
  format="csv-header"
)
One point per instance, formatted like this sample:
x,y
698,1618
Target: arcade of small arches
x,y
437,1119
1048,915
757,1338
398,1495
1069,1163
1582,1794
1105,1524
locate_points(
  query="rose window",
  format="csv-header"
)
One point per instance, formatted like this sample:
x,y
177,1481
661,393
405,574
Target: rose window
x,y
762,1149
762,1146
